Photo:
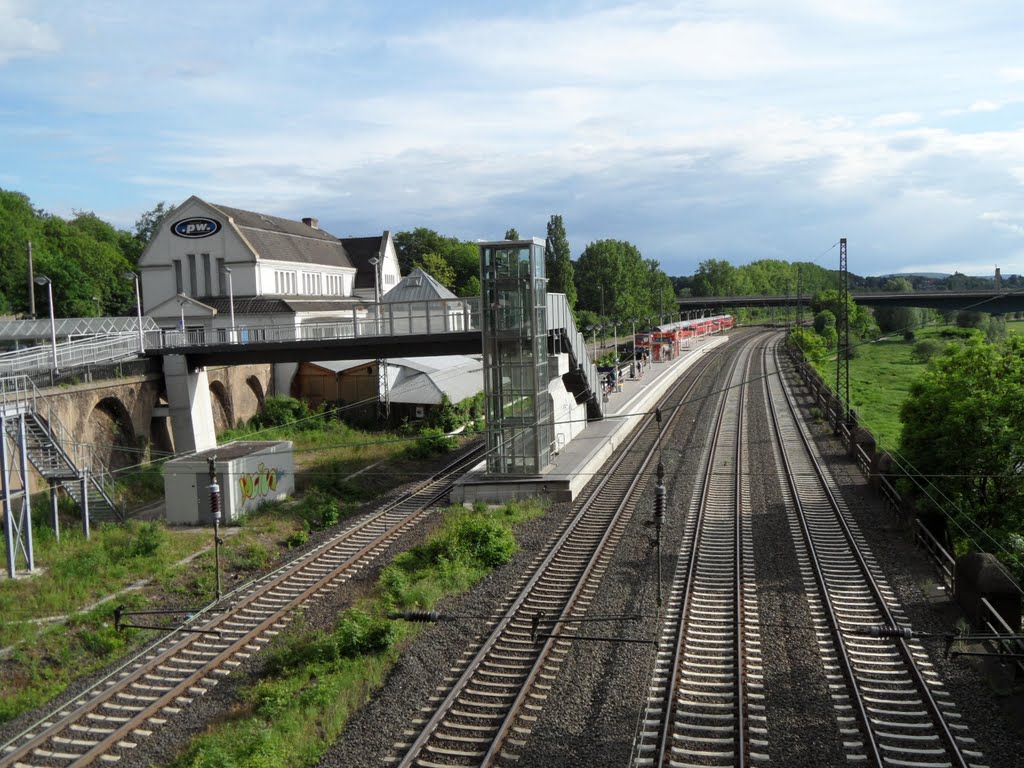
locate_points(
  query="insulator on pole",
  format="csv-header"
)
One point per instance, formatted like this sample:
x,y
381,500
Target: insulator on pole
x,y
215,500
884,630
659,497
416,616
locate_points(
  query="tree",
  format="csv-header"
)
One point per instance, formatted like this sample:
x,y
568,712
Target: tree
x,y
898,319
462,257
961,429
715,278
85,258
435,265
612,276
149,222
558,263
512,234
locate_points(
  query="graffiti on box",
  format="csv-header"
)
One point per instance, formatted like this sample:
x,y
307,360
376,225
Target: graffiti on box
x,y
259,484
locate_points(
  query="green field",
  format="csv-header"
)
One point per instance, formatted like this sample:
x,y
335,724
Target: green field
x,y
880,378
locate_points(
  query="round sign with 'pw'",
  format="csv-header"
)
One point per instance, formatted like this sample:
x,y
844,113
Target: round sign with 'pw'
x,y
196,227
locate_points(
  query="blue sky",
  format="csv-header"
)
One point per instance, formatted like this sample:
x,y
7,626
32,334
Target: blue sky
x,y
728,129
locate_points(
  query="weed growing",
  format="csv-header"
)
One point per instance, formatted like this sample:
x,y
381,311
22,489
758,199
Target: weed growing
x,y
313,680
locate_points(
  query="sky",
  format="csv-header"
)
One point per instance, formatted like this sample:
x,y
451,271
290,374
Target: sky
x,y
714,129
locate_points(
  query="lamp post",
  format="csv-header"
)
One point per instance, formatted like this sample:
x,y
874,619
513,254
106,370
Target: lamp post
x,y
138,307
376,293
231,304
596,329
181,324
43,280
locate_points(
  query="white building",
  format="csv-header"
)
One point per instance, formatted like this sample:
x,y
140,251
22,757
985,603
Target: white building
x,y
278,272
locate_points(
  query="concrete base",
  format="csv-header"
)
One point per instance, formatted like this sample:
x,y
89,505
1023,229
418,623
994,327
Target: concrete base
x,y
583,456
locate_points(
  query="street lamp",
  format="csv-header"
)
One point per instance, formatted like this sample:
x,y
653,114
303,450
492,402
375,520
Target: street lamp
x,y
231,304
138,307
182,300
375,262
43,280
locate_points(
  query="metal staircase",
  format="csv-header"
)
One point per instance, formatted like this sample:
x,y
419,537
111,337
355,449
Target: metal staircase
x,y
54,455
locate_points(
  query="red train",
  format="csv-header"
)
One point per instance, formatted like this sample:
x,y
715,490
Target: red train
x,y
666,341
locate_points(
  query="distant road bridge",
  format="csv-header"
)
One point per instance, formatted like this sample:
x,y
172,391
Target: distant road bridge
x,y
996,302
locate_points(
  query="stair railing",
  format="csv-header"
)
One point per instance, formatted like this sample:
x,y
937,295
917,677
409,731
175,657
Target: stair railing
x,y
22,392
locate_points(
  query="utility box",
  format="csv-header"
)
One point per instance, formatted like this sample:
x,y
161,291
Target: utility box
x,y
249,473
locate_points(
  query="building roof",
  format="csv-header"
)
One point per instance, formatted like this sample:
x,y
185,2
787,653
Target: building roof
x,y
276,246
278,239
422,380
458,380
417,286
271,305
254,220
360,250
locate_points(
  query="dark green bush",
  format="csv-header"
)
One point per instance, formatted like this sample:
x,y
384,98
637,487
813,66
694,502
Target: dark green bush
x,y
297,538
281,410
926,349
357,633
319,509
431,442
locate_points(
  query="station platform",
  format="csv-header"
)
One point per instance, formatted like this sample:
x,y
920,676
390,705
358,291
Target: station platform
x,y
574,466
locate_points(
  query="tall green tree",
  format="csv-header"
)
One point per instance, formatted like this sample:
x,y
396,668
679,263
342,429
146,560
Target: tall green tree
x,y
612,275
898,319
435,265
85,258
558,261
962,424
461,256
512,234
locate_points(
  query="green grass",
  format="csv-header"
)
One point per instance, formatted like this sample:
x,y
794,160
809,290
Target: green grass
x,y
314,680
45,650
880,378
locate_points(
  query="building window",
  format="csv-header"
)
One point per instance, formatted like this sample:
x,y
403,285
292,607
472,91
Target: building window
x,y
178,284
207,279
284,283
193,279
222,278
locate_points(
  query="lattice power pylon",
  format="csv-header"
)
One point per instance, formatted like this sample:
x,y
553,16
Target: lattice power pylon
x,y
843,345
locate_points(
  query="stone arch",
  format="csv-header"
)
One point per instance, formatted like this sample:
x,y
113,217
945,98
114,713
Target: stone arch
x,y
223,412
113,435
160,439
257,389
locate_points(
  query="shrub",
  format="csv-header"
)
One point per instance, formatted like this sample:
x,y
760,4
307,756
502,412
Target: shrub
x,y
319,509
926,349
297,538
281,410
431,442
249,557
483,541
357,633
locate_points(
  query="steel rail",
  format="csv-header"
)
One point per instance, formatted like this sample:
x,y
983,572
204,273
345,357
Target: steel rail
x,y
414,750
664,739
881,603
430,491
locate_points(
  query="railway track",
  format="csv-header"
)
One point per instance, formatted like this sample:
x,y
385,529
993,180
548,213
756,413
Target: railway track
x,y
486,712
705,699
130,703
890,705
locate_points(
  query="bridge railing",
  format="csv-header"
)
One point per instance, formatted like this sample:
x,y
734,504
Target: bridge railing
x,y
18,394
70,354
394,319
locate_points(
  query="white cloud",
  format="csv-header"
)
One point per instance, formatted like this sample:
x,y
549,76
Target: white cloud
x,y
20,36
896,119
984,106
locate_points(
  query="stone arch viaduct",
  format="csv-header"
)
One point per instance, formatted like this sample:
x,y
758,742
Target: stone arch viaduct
x,y
122,418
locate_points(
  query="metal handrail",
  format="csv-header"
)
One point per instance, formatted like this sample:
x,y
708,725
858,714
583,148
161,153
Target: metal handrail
x,y
70,354
21,393
439,316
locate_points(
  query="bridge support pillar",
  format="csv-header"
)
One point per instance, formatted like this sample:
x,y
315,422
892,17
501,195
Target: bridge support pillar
x,y
188,398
